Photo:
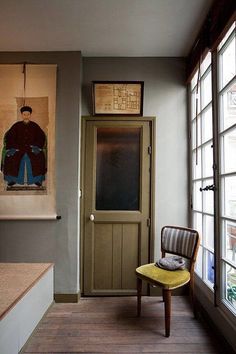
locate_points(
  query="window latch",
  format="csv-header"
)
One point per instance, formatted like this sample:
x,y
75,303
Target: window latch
x,y
211,187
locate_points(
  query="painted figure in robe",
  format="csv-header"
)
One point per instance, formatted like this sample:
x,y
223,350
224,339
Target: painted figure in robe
x,y
24,155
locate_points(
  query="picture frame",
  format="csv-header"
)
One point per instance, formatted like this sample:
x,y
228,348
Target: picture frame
x,y
117,98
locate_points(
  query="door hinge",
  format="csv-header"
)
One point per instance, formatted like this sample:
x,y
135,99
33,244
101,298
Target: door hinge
x,y
148,222
149,150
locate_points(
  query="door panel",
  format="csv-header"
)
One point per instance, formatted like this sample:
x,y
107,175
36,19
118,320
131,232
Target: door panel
x,y
114,259
116,194
129,255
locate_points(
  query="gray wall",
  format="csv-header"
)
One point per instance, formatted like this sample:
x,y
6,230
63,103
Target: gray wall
x,y
53,241
164,98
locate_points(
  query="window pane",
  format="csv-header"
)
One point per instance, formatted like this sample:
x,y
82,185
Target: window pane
x,y
210,268
206,63
194,95
207,125
230,285
207,160
229,196
198,266
228,102
197,164
197,196
228,63
206,90
196,134
230,233
118,169
209,231
208,198
227,36
194,80
229,152
197,223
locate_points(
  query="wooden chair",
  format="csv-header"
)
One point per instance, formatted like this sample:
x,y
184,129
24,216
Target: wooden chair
x,y
176,241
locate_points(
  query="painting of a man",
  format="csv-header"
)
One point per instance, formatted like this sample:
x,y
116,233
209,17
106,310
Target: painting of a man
x,y
24,152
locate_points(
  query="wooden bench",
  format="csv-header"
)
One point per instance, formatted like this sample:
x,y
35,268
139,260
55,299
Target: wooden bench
x,y
26,292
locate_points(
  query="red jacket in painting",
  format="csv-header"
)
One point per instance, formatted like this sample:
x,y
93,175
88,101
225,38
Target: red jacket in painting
x,y
22,136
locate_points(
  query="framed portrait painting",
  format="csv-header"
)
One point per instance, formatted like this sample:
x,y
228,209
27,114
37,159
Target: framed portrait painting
x,y
27,140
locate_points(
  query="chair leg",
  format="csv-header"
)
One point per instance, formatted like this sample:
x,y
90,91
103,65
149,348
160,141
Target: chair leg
x,y
167,301
139,295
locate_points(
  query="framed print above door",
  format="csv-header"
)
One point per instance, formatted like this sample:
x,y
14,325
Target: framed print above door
x,y
117,97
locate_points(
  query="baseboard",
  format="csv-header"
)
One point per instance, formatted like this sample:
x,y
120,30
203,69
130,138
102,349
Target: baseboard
x,y
67,298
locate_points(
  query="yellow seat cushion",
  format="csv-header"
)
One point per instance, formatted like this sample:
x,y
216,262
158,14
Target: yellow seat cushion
x,y
168,279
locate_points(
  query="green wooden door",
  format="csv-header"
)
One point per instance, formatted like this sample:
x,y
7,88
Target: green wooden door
x,y
116,205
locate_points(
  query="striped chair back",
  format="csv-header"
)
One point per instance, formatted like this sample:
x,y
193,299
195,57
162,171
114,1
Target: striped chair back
x,y
179,240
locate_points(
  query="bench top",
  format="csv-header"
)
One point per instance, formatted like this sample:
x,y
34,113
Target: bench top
x,y
16,279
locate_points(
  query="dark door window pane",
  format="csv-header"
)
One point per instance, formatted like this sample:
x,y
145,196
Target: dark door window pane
x,y
118,169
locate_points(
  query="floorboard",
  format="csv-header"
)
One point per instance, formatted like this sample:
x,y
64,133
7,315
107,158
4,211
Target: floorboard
x,y
110,325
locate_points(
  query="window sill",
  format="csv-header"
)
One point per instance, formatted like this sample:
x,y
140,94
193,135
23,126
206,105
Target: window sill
x,y
221,316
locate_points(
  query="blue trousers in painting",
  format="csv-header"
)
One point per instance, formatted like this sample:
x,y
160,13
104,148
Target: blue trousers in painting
x,y
25,165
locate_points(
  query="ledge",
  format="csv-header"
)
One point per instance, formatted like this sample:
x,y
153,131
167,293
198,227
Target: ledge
x,y
16,279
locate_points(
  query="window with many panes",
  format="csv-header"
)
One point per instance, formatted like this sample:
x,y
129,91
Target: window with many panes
x,y
202,171
218,176
226,96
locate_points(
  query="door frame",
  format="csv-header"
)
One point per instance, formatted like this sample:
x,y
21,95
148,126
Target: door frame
x,y
152,125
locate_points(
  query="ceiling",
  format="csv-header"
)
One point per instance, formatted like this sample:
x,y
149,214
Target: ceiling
x,y
163,28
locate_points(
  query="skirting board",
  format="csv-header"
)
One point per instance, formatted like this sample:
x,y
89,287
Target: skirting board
x,y
18,324
67,298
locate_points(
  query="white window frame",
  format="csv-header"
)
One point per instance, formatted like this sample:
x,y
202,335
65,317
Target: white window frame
x,y
204,180
223,304
215,294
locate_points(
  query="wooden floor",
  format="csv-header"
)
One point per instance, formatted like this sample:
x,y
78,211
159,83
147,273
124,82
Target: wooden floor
x,y
110,325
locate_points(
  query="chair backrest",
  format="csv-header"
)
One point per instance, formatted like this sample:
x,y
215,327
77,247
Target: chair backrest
x,y
180,240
